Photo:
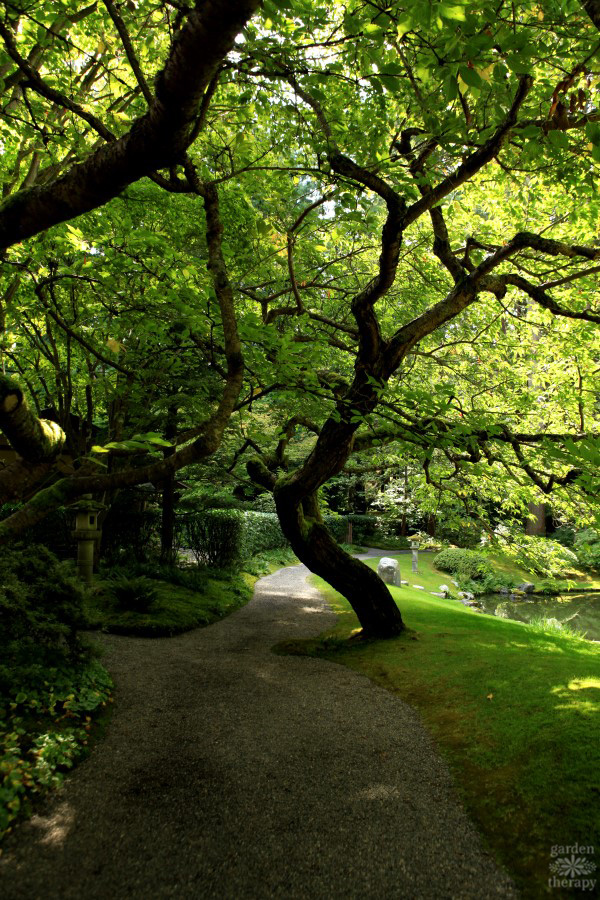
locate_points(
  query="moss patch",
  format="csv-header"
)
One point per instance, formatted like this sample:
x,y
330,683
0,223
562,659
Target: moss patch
x,y
178,608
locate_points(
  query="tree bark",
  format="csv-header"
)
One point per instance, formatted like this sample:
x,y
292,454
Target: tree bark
x,y
536,526
36,440
167,522
156,140
312,543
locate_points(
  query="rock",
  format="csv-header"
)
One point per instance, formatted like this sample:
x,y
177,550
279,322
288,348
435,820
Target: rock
x,y
526,587
455,583
504,590
516,595
404,582
502,611
553,623
389,571
444,590
437,594
466,595
419,587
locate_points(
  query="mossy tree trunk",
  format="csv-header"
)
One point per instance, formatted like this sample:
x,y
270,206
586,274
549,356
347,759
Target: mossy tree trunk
x,y
312,543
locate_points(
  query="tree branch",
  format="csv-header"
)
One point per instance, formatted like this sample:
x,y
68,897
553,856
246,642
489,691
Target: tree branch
x,y
156,140
129,51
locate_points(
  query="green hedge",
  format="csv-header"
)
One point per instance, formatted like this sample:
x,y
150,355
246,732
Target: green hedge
x,y
463,563
337,525
226,537
363,527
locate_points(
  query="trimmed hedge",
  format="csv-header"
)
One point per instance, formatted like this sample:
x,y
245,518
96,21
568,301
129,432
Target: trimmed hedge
x,y
463,563
363,527
226,537
337,525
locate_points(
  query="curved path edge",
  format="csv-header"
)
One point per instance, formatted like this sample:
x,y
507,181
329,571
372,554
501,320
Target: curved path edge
x,y
231,772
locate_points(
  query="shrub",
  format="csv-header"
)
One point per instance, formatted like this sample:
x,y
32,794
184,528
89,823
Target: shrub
x,y
587,547
540,555
363,527
226,537
41,600
188,577
132,594
463,563
264,503
337,525
565,535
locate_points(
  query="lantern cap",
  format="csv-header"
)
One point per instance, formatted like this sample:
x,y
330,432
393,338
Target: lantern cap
x,y
85,504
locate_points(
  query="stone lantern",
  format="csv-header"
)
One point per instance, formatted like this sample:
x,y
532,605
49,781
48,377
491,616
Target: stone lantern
x,y
414,546
86,534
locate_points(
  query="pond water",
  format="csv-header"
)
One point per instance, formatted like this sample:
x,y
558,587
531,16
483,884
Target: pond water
x,y
579,611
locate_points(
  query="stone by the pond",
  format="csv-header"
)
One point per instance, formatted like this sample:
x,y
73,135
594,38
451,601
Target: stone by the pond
x,y
504,590
502,611
404,582
466,595
389,571
553,623
419,587
444,590
527,587
516,594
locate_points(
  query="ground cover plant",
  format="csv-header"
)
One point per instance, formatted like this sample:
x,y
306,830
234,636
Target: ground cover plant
x,y
514,709
46,715
51,686
150,600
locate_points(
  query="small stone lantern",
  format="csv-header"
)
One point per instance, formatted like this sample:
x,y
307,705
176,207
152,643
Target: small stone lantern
x,y
414,546
86,534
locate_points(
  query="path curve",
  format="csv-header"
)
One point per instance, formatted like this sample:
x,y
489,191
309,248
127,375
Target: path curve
x,y
231,772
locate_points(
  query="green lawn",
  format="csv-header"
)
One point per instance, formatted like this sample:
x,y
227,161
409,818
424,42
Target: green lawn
x,y
514,710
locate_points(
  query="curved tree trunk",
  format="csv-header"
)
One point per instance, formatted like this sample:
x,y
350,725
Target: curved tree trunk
x,y
313,544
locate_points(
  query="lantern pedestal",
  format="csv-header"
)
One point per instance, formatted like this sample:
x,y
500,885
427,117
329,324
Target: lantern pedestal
x,y
86,534
414,546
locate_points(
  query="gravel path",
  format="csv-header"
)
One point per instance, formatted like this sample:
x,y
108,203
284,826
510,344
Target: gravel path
x,y
230,772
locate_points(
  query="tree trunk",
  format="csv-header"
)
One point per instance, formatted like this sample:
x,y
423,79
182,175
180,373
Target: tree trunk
x,y
536,526
167,523
315,547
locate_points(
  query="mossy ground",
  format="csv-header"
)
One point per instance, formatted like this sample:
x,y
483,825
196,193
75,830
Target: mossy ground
x,y
178,609
515,711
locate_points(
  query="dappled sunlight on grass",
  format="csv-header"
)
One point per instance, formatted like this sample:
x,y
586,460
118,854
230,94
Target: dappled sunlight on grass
x,y
513,709
580,695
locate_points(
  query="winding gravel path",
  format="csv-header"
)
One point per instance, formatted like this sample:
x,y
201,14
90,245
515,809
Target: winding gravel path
x,y
230,772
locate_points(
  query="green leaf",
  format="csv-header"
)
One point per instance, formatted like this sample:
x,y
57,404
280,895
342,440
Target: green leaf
x,y
471,77
559,139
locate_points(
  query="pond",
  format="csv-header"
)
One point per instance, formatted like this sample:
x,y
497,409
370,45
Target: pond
x,y
578,611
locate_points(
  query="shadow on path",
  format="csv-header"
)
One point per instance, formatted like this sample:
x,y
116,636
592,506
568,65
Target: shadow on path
x,y
230,772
